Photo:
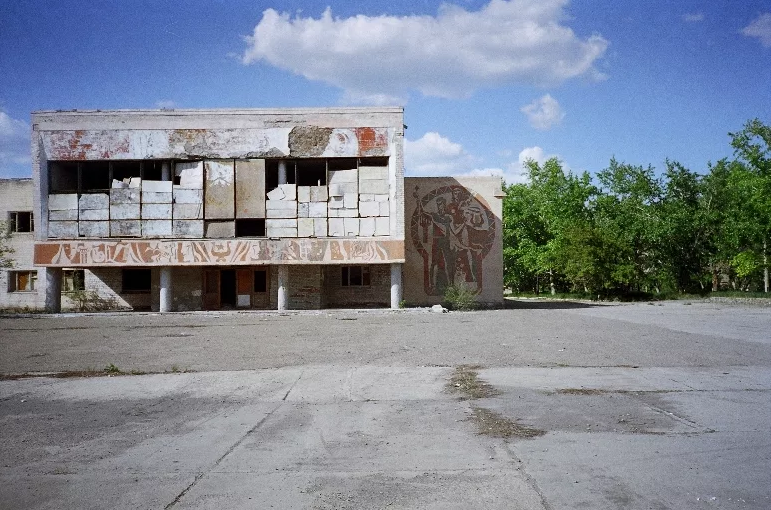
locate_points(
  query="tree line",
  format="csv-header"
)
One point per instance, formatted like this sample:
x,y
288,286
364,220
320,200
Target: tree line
x,y
629,230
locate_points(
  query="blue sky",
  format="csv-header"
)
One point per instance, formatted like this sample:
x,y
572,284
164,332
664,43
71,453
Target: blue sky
x,y
485,84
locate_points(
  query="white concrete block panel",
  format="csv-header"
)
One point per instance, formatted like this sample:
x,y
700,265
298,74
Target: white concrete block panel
x,y
351,227
373,173
385,208
135,182
303,194
156,228
341,176
379,187
187,196
191,229
62,201
382,226
151,197
94,228
336,202
281,209
157,186
66,215
124,211
336,227
303,210
187,211
320,227
91,215
343,213
369,209
125,228
366,197
340,189
276,194
381,198
94,201
290,191
305,227
367,227
319,193
124,196
156,211
281,223
351,200
317,210
190,174
62,229
281,232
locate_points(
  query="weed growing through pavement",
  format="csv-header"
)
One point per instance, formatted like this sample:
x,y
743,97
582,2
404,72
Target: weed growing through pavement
x,y
490,423
465,381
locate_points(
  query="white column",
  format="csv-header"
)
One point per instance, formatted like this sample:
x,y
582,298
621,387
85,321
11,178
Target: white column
x,y
396,285
282,172
283,287
165,290
53,283
165,171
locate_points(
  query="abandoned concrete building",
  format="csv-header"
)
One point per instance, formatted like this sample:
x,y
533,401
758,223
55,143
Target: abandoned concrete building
x,y
175,210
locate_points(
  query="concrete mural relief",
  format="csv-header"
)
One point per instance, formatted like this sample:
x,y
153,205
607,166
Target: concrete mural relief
x,y
453,229
241,252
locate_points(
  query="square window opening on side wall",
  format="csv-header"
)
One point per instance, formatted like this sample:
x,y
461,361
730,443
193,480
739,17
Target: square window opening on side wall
x,y
354,276
136,280
22,281
251,227
21,221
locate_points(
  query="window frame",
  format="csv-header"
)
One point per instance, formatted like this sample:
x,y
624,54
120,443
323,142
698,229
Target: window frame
x,y
13,280
14,222
68,275
348,276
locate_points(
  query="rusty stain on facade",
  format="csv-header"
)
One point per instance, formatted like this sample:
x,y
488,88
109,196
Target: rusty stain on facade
x,y
372,142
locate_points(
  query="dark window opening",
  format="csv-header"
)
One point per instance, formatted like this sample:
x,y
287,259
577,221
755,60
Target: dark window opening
x,y
152,170
136,280
355,276
250,228
271,173
260,281
124,170
311,172
228,287
63,177
95,176
21,221
73,280
341,163
373,162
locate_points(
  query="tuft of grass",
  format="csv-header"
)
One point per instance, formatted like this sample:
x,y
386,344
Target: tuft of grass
x,y
466,382
490,423
460,298
111,369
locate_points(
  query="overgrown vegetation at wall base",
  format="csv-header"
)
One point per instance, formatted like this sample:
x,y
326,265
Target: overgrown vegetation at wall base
x,y
631,232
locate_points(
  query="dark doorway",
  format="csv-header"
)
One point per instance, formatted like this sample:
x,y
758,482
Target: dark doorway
x,y
228,288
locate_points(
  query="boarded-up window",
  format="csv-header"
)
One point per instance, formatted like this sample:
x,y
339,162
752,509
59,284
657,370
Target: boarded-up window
x,y
22,281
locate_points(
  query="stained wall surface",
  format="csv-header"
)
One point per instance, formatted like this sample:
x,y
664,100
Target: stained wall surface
x,y
453,237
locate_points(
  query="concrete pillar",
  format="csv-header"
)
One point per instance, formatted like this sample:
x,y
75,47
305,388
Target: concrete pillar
x,y
283,287
53,282
396,285
165,290
165,171
282,172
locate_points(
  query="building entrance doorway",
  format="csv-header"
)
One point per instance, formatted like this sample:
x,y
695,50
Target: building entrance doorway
x,y
235,288
228,288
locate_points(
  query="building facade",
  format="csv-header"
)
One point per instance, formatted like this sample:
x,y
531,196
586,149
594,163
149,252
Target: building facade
x,y
273,209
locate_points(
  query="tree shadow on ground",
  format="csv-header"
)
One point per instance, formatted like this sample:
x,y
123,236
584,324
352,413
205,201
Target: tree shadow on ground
x,y
547,304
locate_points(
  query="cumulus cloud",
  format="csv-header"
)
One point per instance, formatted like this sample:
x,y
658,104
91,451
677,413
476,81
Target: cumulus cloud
x,y
543,113
760,28
693,17
435,155
14,146
452,54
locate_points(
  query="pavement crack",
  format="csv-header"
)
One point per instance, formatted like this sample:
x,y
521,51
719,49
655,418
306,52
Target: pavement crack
x,y
292,387
529,479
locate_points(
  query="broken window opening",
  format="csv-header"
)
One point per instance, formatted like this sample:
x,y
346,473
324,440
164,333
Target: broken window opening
x,y
271,173
311,172
381,161
152,170
341,164
73,280
136,280
250,227
63,176
22,281
125,170
21,221
260,281
94,176
355,276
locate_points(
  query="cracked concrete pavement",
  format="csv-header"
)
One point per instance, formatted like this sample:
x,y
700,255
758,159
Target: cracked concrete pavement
x,y
643,407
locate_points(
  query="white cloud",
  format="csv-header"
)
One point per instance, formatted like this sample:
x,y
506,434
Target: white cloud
x,y
435,155
14,146
760,28
693,17
448,55
165,104
543,113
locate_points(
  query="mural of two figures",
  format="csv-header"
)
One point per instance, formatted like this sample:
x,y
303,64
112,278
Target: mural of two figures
x,y
453,230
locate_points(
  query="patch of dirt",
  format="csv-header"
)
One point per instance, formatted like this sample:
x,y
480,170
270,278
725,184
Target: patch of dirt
x,y
465,381
493,424
580,391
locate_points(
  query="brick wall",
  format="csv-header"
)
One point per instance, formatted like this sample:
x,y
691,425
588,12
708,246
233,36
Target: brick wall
x,y
187,288
378,293
108,283
305,287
